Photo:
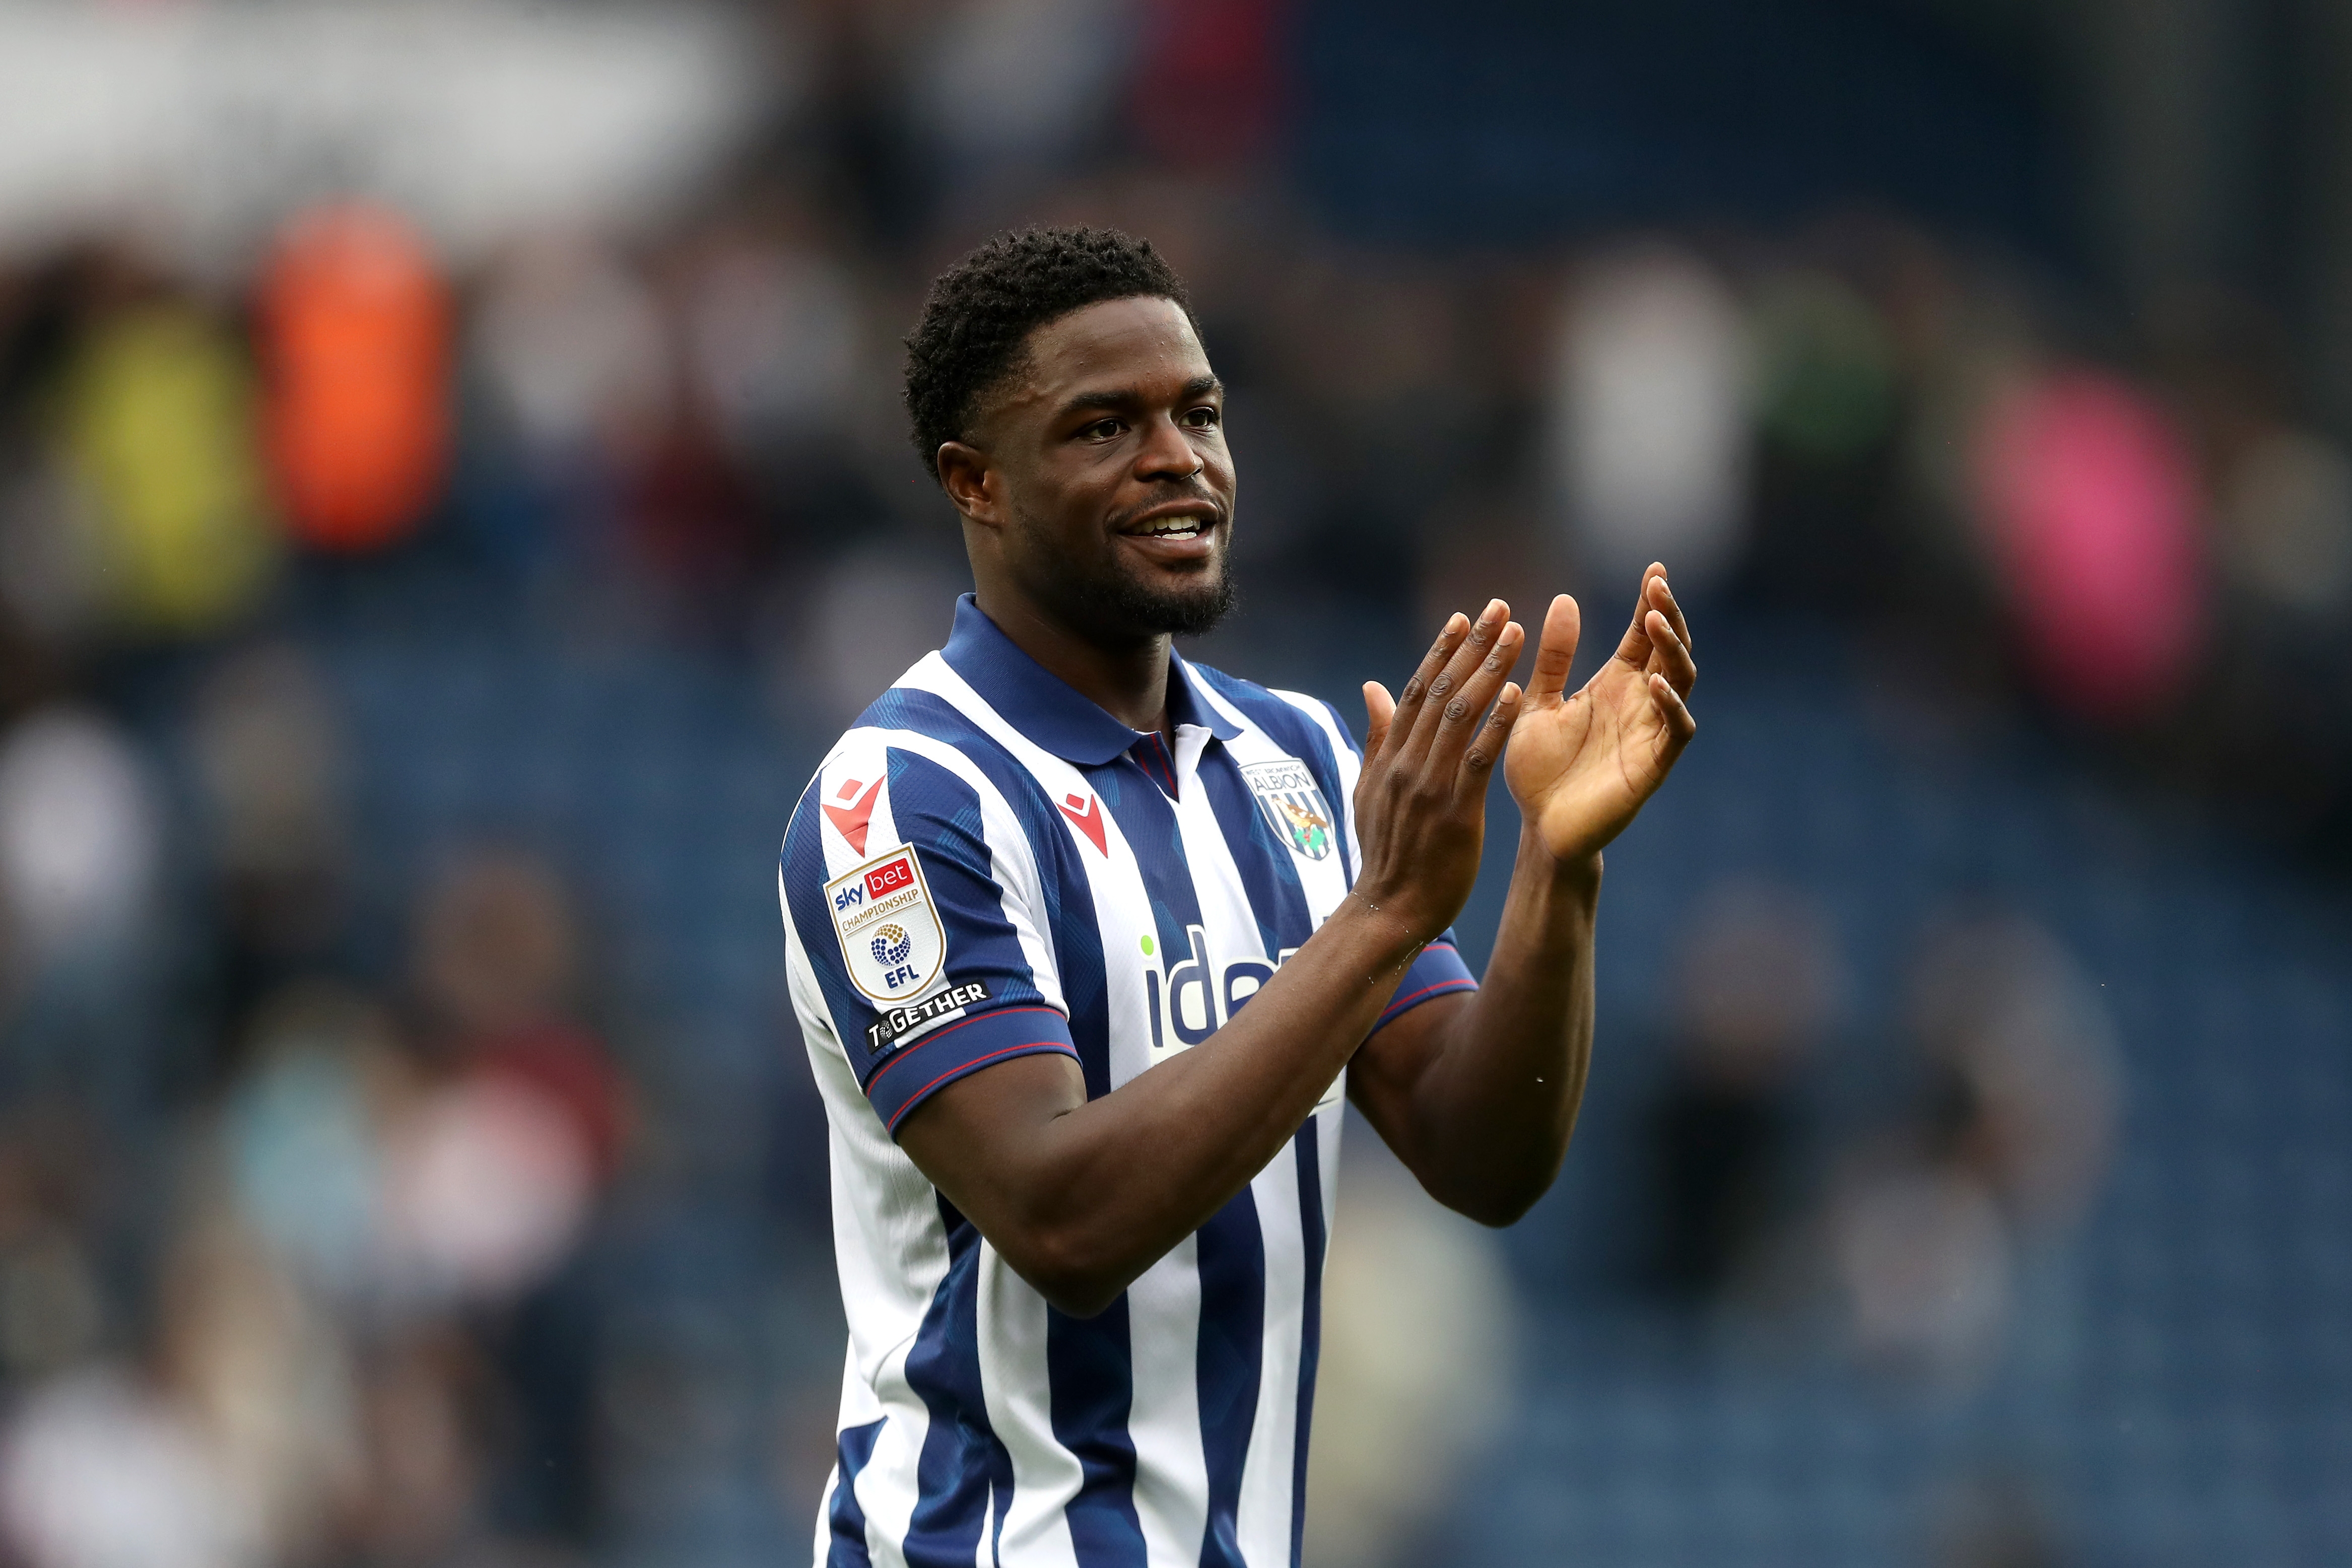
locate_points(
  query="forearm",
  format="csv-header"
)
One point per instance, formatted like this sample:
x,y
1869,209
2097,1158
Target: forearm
x,y
1082,1195
1101,1190
1496,1101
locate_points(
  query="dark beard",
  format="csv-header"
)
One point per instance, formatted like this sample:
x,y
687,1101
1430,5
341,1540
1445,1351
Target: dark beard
x,y
1097,594
1111,600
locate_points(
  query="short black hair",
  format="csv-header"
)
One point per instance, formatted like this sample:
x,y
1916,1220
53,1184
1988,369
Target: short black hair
x,y
977,320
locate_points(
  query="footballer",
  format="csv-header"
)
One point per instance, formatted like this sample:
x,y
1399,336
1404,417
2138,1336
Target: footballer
x,y
1092,945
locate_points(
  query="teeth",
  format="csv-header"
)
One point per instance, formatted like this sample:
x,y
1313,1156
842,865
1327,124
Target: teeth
x,y
1174,528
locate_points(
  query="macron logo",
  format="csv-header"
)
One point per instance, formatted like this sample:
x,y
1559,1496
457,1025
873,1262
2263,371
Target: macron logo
x,y
1085,812
851,818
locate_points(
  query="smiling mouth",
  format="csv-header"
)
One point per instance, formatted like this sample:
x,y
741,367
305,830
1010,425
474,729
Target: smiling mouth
x,y
1190,528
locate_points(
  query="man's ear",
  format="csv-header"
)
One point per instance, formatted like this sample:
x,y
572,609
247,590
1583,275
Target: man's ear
x,y
963,473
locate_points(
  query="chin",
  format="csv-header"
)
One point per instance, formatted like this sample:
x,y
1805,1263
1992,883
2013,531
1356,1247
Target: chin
x,y
1185,607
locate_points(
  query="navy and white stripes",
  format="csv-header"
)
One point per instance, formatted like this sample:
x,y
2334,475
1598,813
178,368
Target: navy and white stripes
x,y
1110,898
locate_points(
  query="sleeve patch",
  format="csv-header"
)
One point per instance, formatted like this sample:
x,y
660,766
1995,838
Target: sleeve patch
x,y
891,938
896,1026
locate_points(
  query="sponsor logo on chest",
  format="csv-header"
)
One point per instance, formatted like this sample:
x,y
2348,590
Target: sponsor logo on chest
x,y
1294,807
891,939
1197,996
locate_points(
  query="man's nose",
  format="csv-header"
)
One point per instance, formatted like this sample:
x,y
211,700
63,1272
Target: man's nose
x,y
1166,454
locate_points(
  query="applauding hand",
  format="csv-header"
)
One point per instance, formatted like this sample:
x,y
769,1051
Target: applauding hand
x,y
1582,766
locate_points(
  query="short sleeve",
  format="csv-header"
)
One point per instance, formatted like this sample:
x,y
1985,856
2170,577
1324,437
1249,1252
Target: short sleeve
x,y
1439,971
911,892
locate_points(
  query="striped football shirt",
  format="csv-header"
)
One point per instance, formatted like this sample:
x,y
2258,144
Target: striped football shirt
x,y
989,865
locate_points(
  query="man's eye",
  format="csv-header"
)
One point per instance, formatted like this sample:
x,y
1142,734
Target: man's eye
x,y
1101,430
1203,418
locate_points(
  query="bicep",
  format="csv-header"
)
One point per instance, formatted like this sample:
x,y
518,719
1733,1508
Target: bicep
x,y
1386,1075
980,1139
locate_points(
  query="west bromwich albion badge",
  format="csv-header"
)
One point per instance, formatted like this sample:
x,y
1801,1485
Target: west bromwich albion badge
x,y
891,938
1287,793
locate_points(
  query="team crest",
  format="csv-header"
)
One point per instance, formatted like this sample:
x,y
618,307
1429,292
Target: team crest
x,y
1295,809
891,938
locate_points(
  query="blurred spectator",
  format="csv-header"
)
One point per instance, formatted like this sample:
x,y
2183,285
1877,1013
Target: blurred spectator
x,y
1649,432
54,1312
498,967
859,635
1209,87
1932,1226
1825,372
269,756
574,353
355,329
1419,1340
304,1133
775,347
495,1174
1827,405
2285,525
1965,342
1385,425
79,841
2024,1063
1992,1521
2090,510
575,349
265,1375
489,1187
383,1324
158,420
53,576
1920,1254
102,1471
323,1316
1757,991
1016,87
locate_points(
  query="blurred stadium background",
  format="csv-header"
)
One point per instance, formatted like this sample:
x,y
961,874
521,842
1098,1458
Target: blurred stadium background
x,y
451,490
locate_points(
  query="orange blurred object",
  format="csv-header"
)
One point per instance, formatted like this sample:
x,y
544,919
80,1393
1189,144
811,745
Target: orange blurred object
x,y
355,328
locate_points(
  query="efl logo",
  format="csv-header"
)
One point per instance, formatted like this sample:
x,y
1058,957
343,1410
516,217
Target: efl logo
x,y
892,942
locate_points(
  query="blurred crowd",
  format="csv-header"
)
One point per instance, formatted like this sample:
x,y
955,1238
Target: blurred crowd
x,y
1912,1230
297,1223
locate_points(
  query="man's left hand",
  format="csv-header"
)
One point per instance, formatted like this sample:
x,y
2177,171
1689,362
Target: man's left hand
x,y
1582,766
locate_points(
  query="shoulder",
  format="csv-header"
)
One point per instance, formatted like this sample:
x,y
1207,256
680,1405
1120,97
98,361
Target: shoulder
x,y
1300,724
912,732
914,771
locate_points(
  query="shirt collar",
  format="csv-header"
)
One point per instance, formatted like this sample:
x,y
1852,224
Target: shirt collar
x,y
1048,709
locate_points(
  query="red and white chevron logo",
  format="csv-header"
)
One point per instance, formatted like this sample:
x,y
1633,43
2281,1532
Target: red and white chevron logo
x,y
1085,811
850,820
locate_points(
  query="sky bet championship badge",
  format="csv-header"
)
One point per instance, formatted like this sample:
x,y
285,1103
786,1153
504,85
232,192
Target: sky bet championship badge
x,y
890,935
1285,792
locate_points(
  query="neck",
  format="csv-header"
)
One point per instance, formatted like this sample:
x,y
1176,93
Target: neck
x,y
1127,678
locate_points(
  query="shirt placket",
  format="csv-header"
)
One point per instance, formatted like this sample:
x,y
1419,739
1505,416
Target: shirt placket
x,y
1171,771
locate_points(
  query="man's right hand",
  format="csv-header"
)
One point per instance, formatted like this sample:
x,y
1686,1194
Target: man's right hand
x,y
1421,802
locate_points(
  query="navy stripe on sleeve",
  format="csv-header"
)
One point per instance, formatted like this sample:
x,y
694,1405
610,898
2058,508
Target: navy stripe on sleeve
x,y
959,1050
1438,972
